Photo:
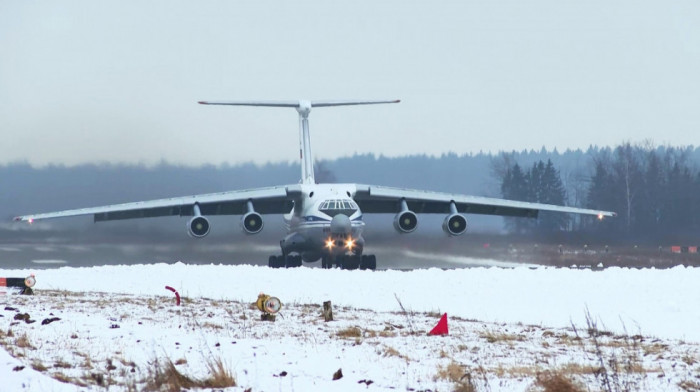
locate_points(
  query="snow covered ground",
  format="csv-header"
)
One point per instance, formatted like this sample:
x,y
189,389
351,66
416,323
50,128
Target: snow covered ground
x,y
119,326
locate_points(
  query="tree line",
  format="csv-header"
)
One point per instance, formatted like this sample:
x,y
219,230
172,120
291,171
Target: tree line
x,y
655,192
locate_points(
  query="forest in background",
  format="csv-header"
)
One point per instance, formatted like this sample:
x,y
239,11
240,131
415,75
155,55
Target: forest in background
x,y
654,189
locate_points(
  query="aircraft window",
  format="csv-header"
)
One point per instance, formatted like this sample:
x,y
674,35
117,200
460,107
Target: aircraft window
x,y
334,207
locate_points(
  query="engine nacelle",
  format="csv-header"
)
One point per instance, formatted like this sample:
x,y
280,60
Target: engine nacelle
x,y
405,221
198,227
454,224
252,223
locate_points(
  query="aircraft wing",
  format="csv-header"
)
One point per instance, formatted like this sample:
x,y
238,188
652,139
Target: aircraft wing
x,y
381,199
273,200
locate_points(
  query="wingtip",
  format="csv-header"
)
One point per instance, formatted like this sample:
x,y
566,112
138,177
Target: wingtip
x,y
203,102
17,219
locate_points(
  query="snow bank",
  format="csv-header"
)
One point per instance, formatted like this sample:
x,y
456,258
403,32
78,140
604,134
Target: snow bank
x,y
653,302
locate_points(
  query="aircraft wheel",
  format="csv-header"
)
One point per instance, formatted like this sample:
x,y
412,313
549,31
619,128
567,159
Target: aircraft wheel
x,y
351,262
369,262
293,261
272,262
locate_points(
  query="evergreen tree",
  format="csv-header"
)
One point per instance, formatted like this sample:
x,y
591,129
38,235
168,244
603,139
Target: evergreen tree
x,y
515,187
678,200
551,191
651,196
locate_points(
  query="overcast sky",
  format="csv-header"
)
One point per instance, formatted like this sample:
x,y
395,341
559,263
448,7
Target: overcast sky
x,y
119,81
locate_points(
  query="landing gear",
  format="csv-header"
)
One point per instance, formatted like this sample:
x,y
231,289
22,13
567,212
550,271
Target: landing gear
x,y
275,262
352,262
283,261
293,261
349,262
326,262
369,262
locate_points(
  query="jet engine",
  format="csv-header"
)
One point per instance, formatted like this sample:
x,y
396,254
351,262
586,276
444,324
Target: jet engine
x,y
251,222
198,227
454,224
406,220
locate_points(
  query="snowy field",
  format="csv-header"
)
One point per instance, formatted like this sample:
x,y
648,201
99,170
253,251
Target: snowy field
x,y
509,328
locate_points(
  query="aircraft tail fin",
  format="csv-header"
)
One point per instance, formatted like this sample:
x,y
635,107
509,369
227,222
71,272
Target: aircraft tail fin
x,y
303,107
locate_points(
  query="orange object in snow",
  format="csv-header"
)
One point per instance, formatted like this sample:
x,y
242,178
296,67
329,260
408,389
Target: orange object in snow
x,y
441,327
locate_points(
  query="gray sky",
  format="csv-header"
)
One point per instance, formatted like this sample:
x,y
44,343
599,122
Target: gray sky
x,y
118,81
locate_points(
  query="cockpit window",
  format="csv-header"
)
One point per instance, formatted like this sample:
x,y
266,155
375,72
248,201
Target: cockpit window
x,y
335,207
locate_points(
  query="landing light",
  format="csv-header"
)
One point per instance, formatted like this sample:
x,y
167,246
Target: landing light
x,y
329,243
350,243
30,220
600,216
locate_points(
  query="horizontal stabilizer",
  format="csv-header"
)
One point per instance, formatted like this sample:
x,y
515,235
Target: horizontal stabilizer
x,y
300,103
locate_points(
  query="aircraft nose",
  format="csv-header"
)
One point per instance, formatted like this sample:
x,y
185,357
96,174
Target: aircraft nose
x,y
340,224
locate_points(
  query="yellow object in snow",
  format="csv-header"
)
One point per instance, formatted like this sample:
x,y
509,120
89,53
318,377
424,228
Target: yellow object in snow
x,y
268,304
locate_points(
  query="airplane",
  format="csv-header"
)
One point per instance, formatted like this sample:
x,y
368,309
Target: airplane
x,y
324,221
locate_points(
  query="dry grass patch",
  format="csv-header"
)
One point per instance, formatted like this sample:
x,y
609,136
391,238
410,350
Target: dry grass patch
x,y
392,352
496,337
67,380
23,342
211,325
349,333
690,386
568,340
515,371
461,379
62,364
556,382
577,368
38,366
655,349
164,376
219,375
689,359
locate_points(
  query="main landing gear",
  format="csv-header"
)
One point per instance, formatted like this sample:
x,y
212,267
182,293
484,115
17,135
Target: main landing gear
x,y
284,261
352,262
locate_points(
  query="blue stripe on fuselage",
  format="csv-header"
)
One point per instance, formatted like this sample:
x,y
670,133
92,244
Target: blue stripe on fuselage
x,y
313,218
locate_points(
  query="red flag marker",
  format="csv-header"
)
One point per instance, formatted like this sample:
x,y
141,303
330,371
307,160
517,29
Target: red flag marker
x,y
441,327
177,295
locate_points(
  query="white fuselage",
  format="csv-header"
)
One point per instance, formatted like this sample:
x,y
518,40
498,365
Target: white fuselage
x,y
327,221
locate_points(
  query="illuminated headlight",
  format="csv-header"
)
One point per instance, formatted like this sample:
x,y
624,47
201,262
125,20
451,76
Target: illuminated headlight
x,y
350,243
329,243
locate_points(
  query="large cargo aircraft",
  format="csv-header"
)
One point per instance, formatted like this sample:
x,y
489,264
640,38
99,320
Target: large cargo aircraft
x,y
324,221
